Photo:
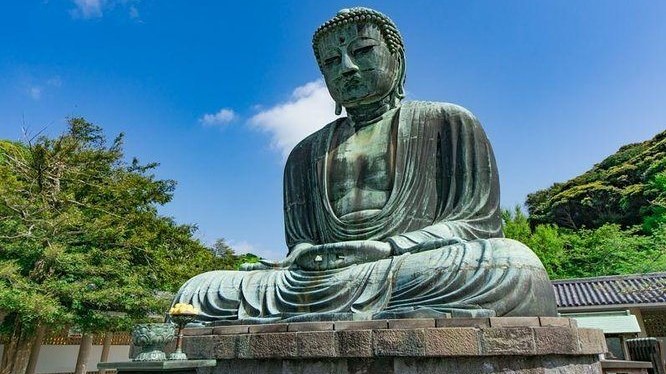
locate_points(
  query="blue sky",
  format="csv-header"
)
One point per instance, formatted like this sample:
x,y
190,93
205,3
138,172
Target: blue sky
x,y
218,92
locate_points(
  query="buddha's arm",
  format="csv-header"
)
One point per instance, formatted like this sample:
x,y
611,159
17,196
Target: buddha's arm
x,y
327,256
428,238
342,254
466,195
289,261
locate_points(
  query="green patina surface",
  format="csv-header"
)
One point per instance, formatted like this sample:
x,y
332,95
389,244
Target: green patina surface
x,y
391,211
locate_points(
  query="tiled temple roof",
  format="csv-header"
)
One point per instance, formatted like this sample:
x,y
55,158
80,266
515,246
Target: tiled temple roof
x,y
614,290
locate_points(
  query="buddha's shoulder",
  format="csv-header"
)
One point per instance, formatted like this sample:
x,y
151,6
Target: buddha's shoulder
x,y
313,140
448,110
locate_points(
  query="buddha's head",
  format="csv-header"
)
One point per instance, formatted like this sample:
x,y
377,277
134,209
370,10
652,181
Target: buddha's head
x,y
361,55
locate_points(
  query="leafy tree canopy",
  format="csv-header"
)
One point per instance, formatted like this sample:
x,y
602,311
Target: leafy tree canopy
x,y
606,250
81,242
622,189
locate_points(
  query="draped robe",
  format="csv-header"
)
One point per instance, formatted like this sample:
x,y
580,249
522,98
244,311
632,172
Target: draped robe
x,y
442,219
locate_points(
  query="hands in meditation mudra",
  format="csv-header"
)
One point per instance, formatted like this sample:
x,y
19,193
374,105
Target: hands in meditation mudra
x,y
390,212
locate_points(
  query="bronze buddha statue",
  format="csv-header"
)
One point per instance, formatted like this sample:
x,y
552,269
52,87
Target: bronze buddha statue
x,y
392,211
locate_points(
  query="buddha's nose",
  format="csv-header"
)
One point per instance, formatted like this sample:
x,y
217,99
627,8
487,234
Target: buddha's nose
x,y
347,66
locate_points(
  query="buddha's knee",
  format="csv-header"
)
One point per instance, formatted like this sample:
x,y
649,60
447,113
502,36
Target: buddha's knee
x,y
223,281
514,250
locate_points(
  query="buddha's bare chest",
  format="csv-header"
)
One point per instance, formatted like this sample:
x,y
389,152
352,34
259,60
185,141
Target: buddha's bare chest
x,y
361,168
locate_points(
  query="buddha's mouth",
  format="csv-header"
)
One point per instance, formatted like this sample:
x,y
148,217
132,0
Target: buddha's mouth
x,y
351,83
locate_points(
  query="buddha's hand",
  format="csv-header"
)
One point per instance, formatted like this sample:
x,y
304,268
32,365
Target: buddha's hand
x,y
342,254
286,263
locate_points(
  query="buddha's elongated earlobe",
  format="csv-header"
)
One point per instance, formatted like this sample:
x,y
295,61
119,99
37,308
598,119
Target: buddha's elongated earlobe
x,y
338,109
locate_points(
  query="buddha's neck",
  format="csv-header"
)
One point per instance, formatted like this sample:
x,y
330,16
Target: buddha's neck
x,y
363,115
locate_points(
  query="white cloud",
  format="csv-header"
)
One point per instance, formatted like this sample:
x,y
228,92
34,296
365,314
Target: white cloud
x,y
309,108
222,117
37,88
88,9
35,92
133,12
54,81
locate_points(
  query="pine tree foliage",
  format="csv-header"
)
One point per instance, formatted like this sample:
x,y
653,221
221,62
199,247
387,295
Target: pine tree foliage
x,y
81,241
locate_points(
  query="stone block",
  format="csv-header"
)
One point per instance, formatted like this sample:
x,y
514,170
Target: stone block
x,y
272,327
243,346
225,347
318,344
507,341
592,341
452,342
312,366
396,342
383,365
361,325
411,323
462,322
231,329
556,340
514,321
554,321
355,343
248,367
310,326
195,331
198,347
280,345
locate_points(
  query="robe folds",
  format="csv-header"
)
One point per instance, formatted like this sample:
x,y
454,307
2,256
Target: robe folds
x,y
443,222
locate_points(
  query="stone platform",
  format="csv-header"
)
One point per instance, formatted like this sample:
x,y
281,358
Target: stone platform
x,y
531,345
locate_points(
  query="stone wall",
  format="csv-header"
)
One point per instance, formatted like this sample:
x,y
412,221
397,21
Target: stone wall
x,y
477,345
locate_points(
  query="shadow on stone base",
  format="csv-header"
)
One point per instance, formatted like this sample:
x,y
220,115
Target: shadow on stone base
x,y
518,345
408,365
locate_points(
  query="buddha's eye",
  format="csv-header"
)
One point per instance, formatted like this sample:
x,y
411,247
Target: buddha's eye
x,y
332,61
363,50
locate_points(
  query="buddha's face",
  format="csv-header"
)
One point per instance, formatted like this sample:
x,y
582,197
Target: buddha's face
x,y
357,64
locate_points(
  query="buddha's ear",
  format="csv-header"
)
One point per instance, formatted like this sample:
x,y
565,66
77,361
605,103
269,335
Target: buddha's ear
x,y
338,108
399,87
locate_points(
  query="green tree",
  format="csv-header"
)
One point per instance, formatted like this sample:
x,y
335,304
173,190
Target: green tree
x,y
226,258
607,250
516,225
610,250
656,213
545,240
221,249
81,242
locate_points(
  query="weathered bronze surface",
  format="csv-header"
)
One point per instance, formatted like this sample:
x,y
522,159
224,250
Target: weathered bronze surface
x,y
390,212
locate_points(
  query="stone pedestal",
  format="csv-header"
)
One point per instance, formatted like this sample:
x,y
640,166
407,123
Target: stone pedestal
x,y
464,346
149,367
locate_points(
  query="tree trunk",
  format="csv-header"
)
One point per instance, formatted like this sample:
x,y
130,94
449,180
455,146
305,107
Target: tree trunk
x,y
105,350
17,352
8,355
84,352
34,352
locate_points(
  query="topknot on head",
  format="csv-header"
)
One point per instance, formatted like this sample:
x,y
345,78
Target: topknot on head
x,y
345,16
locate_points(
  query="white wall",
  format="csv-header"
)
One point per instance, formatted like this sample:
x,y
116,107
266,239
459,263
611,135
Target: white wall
x,y
62,358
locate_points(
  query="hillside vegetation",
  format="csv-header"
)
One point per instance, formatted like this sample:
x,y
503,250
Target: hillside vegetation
x,y
621,189
610,220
